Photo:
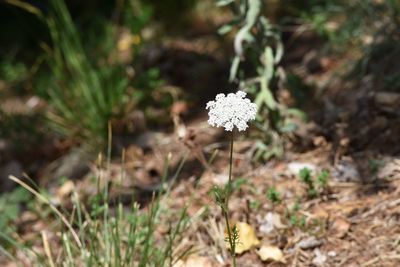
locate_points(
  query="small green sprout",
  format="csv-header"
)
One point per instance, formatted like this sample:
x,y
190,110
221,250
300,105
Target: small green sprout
x,y
294,217
305,177
293,220
322,179
254,204
273,195
375,165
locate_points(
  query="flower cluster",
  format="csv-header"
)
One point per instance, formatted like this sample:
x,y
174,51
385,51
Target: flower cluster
x,y
231,110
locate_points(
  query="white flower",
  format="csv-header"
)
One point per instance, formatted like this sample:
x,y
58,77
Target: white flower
x,y
231,110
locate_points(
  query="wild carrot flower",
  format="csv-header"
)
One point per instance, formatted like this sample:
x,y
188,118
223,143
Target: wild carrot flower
x,y
231,110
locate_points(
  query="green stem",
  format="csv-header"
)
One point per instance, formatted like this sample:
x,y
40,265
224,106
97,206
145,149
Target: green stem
x,y
225,210
230,239
229,188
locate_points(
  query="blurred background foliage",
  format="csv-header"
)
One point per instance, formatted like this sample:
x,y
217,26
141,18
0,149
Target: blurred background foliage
x,y
85,61
369,28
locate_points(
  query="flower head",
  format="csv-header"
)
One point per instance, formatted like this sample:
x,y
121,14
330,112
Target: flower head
x,y
231,110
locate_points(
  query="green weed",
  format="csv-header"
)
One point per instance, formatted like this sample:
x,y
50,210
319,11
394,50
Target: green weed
x,y
104,234
315,186
10,208
273,195
255,68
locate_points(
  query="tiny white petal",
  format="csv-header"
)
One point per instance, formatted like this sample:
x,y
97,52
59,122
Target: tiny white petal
x,y
241,94
219,96
210,104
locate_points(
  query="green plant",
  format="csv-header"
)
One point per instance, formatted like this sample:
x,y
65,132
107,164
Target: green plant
x,y
10,208
375,165
12,71
323,178
294,217
231,112
84,98
99,234
273,195
368,27
305,177
255,205
317,185
297,220
255,68
88,87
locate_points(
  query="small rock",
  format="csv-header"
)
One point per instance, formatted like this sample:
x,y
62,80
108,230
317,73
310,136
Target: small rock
x,y
332,253
346,171
319,259
270,222
295,167
310,243
391,170
33,102
220,179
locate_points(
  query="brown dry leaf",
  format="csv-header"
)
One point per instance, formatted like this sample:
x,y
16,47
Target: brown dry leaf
x,y
340,227
320,212
195,261
65,190
247,238
346,209
273,253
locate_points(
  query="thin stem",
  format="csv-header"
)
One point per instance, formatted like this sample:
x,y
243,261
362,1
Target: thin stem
x,y
230,173
230,239
225,208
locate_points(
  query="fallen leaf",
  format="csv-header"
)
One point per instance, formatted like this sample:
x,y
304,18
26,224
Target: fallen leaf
x,y
247,238
271,253
63,192
345,209
340,227
195,261
320,213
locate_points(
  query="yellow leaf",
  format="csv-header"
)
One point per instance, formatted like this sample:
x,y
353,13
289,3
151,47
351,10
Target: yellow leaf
x,y
247,238
271,253
195,261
